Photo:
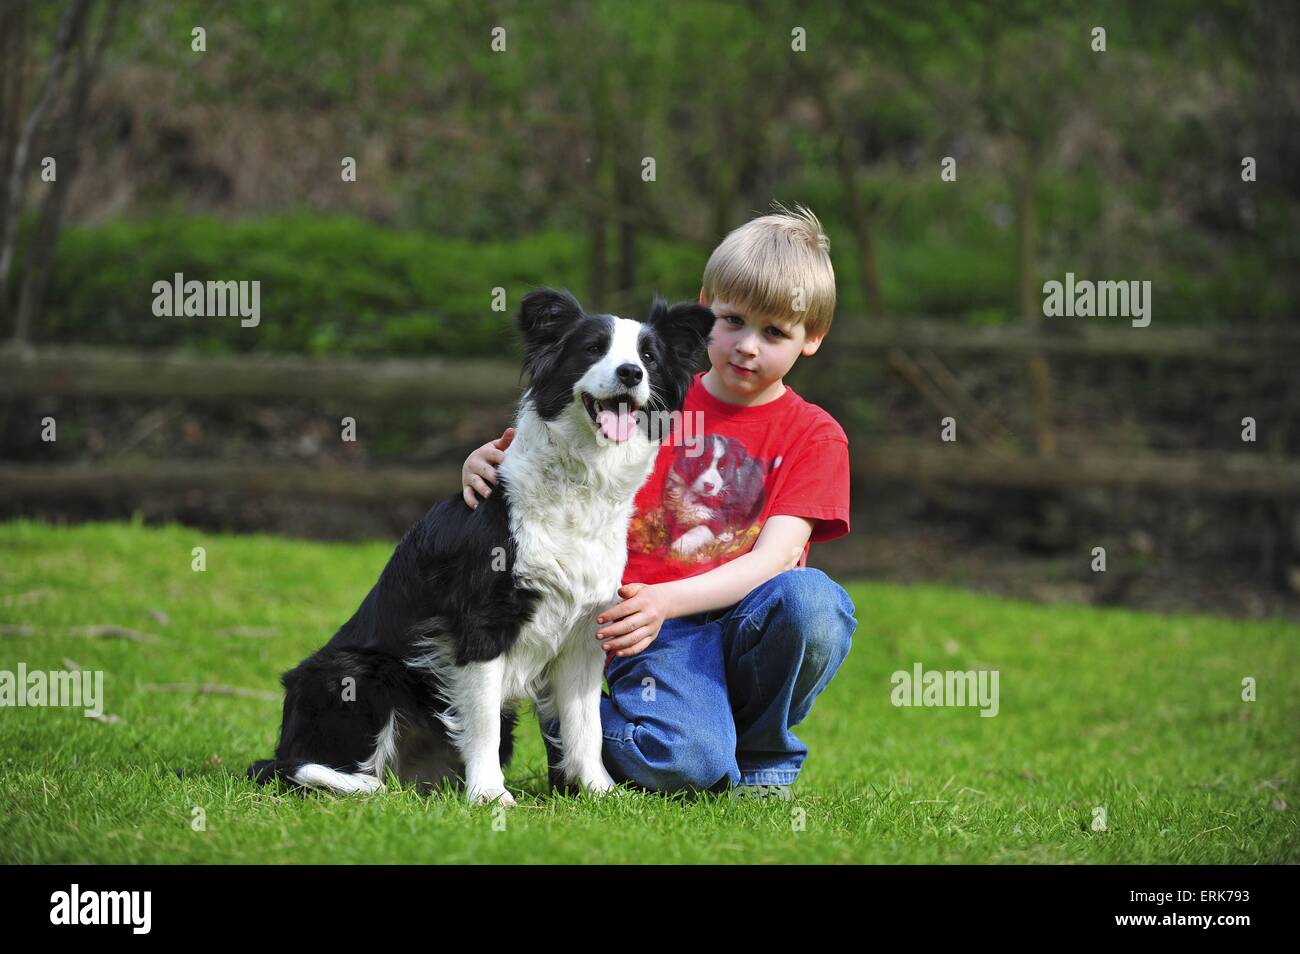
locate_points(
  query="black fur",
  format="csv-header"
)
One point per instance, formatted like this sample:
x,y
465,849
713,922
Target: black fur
x,y
445,581
441,571
558,335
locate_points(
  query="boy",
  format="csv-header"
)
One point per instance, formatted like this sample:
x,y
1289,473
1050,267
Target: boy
x,y
725,637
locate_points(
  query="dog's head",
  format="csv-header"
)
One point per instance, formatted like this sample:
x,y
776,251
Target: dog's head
x,y
618,375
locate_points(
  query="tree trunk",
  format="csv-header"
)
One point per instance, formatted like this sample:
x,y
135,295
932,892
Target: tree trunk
x,y
597,264
860,226
627,178
69,29
859,220
13,67
40,255
1040,373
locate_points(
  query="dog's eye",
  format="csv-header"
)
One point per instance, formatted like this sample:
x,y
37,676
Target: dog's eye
x,y
595,349
648,358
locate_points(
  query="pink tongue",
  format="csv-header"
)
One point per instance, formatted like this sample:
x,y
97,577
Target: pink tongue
x,y
617,427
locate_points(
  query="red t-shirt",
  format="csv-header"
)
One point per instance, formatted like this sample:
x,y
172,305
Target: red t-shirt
x,y
714,486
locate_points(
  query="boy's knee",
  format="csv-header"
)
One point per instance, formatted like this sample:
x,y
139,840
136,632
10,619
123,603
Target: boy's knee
x,y
696,773
681,764
821,611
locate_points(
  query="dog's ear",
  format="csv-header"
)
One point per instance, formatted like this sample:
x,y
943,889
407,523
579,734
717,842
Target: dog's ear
x,y
544,318
684,327
545,315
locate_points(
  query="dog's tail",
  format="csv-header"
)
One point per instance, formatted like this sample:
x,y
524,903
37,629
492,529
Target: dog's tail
x,y
300,774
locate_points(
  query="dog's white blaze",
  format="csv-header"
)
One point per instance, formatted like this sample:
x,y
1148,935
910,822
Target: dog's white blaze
x,y
602,377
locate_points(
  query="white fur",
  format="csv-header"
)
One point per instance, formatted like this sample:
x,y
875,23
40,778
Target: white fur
x,y
570,522
343,783
571,493
602,377
571,498
385,753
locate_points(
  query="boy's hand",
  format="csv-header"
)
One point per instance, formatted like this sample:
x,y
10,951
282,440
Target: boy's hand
x,y
635,622
480,469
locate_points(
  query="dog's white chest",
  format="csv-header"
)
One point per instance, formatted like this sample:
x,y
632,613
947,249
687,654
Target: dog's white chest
x,y
575,559
576,574
569,517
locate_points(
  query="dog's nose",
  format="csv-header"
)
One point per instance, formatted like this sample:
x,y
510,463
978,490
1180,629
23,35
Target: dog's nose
x,y
630,374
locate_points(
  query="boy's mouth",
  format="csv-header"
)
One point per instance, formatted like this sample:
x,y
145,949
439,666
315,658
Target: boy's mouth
x,y
743,372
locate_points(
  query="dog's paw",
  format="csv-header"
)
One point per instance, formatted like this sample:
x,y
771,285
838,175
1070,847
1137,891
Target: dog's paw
x,y
486,796
600,784
598,791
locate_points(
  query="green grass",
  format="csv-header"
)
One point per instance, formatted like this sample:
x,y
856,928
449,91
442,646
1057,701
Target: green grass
x,y
1137,713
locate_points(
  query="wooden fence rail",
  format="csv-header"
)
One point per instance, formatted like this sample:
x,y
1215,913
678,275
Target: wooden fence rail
x,y
1235,475
112,372
60,370
252,481
115,373
1079,337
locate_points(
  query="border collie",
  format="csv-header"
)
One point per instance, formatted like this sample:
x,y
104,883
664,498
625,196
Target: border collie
x,y
478,609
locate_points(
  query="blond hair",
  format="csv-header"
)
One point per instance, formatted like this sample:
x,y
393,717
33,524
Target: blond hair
x,y
774,264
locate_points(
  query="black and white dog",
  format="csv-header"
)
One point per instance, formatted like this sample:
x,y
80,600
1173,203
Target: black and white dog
x,y
478,609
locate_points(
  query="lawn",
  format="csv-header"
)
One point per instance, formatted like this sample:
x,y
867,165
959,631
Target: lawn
x,y
1138,715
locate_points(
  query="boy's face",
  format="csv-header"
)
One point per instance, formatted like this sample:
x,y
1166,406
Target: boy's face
x,y
745,339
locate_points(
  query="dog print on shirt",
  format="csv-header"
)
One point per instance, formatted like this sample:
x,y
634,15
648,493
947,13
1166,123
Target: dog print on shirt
x,y
710,504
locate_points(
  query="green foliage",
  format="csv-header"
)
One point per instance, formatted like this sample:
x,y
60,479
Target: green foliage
x,y
328,285
1135,154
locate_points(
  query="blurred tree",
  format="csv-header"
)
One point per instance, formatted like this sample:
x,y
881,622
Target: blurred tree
x,y
21,123
1031,80
65,143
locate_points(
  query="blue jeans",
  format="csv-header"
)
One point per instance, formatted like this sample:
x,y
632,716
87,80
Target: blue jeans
x,y
712,700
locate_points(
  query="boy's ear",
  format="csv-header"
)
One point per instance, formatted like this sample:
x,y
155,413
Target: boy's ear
x,y
545,316
811,345
684,327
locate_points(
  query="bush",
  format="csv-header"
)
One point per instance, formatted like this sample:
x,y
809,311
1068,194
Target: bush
x,y
328,285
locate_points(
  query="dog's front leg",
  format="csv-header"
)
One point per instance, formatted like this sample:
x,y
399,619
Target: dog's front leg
x,y
480,688
575,684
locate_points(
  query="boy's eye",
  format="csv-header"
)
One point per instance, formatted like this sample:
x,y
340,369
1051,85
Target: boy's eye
x,y
779,332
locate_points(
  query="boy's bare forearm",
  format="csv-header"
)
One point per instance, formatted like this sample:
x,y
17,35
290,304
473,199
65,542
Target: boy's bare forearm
x,y
724,586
